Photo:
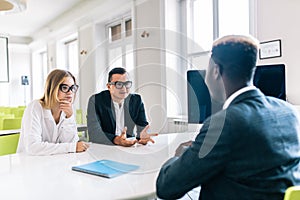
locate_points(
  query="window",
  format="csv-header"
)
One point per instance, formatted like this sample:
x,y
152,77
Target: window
x,y
39,72
233,22
203,21
115,32
128,27
67,54
120,47
115,29
201,14
212,19
4,75
72,56
68,58
43,56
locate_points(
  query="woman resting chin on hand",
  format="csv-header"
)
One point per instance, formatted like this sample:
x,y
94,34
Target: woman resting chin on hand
x,y
48,124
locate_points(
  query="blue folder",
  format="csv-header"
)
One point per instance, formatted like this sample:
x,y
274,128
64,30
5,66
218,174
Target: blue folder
x,y
105,168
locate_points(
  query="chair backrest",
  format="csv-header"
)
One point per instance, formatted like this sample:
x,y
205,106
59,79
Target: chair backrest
x,y
79,116
5,110
14,123
17,112
9,144
5,116
292,193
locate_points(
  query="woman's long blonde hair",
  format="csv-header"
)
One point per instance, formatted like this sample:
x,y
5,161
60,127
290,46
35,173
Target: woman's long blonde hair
x,y
54,79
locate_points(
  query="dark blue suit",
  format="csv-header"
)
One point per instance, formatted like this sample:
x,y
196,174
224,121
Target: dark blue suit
x,y
251,150
101,121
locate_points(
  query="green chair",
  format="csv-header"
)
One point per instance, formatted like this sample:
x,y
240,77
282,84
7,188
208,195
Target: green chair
x,y
9,144
79,121
292,193
14,123
5,110
5,116
79,116
82,131
17,112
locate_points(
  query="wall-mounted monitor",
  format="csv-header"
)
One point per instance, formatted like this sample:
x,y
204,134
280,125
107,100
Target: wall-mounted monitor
x,y
270,79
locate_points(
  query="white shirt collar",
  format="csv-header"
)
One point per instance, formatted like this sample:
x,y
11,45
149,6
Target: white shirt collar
x,y
118,105
237,93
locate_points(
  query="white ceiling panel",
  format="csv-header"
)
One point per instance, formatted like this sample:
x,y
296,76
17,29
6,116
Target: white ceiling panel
x,y
37,15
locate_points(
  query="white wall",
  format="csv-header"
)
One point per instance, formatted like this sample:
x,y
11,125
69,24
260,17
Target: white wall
x,y
87,66
150,65
14,93
278,19
176,58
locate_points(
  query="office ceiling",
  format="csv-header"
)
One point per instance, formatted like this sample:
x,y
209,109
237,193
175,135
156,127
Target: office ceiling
x,y
37,15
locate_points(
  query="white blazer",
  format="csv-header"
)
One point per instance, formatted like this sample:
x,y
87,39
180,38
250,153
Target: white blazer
x,y
40,135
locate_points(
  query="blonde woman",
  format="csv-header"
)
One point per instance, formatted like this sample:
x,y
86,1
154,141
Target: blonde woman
x,y
48,124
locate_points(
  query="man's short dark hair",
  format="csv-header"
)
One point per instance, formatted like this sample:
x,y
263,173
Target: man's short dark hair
x,y
236,56
117,70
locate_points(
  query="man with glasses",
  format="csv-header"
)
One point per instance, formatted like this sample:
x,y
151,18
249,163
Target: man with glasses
x,y
114,113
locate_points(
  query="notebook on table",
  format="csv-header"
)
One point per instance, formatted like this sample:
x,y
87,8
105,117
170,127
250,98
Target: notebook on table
x,y
105,168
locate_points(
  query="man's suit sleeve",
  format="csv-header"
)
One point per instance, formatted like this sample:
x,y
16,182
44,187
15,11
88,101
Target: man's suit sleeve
x,y
95,132
198,164
141,115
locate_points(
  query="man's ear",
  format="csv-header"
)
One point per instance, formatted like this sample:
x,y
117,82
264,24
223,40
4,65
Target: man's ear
x,y
108,86
217,71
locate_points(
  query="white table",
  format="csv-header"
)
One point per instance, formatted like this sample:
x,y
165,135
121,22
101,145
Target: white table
x,y
9,132
51,177
80,127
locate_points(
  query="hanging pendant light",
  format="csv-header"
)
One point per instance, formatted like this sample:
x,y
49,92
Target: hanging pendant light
x,y
12,6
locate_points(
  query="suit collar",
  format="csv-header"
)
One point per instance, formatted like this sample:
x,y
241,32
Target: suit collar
x,y
236,94
248,94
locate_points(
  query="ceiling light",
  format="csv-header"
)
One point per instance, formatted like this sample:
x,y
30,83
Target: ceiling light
x,y
12,6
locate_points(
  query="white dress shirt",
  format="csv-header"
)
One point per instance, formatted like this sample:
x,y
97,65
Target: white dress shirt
x,y
119,112
237,93
40,135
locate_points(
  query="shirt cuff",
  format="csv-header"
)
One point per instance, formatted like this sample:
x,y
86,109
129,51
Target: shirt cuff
x,y
72,148
70,118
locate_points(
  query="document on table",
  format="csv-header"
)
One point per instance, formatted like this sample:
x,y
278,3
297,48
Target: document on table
x,y
105,168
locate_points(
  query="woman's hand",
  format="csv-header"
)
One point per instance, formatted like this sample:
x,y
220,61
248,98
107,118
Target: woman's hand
x,y
66,107
81,146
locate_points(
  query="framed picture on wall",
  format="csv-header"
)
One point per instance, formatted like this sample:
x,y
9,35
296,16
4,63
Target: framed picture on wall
x,y
270,49
4,75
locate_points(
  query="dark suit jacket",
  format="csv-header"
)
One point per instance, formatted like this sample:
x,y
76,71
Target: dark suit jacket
x,y
251,150
101,117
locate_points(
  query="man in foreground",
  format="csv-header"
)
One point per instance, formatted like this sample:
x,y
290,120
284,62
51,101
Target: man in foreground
x,y
248,150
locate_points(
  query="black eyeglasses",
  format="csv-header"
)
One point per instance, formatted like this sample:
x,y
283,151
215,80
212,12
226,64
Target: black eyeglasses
x,y
119,84
65,88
